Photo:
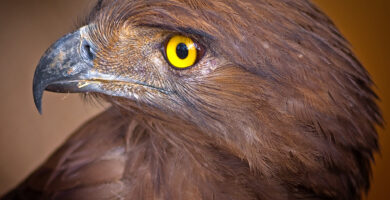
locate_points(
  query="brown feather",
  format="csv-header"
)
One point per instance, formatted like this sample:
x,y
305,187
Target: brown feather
x,y
279,108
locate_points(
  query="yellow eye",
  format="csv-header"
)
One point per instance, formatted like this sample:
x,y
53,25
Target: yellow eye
x,y
181,52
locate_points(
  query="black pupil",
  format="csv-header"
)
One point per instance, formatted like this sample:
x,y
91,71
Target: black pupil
x,y
182,50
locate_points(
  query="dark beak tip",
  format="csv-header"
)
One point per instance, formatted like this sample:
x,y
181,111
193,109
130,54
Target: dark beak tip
x,y
38,93
38,105
39,86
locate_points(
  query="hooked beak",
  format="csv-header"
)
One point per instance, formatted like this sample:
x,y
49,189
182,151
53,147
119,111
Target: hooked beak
x,y
64,65
68,67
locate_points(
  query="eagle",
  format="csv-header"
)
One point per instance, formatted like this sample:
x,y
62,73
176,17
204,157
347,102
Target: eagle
x,y
210,99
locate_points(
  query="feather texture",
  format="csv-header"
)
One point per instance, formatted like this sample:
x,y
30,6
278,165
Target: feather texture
x,y
278,108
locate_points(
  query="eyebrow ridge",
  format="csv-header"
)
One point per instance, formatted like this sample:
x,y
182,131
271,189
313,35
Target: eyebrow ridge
x,y
187,30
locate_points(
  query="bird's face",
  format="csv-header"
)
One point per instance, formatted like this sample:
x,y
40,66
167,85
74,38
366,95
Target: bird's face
x,y
150,68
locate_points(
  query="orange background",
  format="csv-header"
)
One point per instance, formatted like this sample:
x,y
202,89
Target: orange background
x,y
28,27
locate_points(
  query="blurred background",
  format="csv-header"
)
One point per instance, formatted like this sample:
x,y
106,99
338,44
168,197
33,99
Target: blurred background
x,y
28,27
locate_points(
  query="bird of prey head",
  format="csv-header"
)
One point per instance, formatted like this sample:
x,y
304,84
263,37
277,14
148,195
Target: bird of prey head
x,y
270,83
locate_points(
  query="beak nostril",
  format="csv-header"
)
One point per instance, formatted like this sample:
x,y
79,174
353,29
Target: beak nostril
x,y
88,52
88,49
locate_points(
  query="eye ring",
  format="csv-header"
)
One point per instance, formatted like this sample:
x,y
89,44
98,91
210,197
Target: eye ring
x,y
182,52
